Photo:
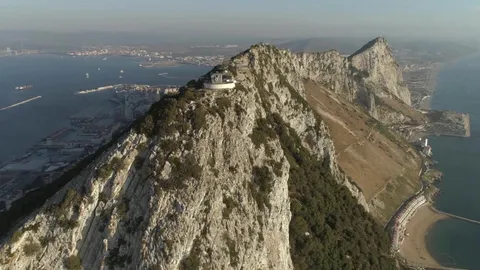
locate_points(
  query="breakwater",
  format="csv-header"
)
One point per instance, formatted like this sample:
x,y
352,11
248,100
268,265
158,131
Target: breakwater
x,y
455,216
20,103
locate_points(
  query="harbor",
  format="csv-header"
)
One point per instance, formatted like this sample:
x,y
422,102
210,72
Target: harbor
x,y
86,131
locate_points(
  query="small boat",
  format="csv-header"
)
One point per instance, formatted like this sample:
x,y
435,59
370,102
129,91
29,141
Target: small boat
x,y
87,75
98,68
23,87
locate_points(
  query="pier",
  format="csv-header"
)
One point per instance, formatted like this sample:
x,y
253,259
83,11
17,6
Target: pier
x,y
20,103
455,216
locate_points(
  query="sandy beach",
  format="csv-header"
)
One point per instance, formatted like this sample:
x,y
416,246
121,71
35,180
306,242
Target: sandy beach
x,y
430,86
414,247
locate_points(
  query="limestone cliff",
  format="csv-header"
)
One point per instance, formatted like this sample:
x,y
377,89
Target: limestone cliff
x,y
205,180
382,73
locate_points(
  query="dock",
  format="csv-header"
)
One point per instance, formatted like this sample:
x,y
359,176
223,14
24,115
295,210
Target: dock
x,y
20,103
455,216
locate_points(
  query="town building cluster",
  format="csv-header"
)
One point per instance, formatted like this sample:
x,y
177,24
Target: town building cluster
x,y
151,57
402,218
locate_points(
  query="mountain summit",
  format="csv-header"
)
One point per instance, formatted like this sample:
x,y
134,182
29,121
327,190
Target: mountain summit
x,y
238,179
384,77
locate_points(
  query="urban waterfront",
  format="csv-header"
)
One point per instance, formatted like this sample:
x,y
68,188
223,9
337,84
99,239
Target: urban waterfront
x,y
56,78
453,242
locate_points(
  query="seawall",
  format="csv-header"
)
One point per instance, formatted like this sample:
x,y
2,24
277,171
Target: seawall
x,y
20,103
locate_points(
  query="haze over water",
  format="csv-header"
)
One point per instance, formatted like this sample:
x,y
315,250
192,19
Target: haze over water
x,y
56,78
453,242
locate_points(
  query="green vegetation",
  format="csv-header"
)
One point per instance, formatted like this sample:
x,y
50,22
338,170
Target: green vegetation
x,y
222,105
232,252
276,166
123,208
199,119
262,132
114,165
102,197
16,236
36,198
31,249
72,199
114,259
182,171
133,224
341,235
73,263
141,147
261,186
138,162
166,112
230,204
46,240
67,224
192,261
170,114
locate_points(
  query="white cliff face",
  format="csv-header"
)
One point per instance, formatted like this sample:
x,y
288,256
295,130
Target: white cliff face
x,y
382,74
371,71
187,196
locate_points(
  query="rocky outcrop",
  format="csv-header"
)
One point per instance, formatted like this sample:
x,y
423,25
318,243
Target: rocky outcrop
x,y
185,190
382,75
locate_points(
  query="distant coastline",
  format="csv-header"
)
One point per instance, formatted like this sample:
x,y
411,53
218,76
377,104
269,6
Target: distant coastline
x,y
415,249
431,86
160,64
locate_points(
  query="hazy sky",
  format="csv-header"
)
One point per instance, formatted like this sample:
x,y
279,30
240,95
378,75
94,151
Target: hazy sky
x,y
273,18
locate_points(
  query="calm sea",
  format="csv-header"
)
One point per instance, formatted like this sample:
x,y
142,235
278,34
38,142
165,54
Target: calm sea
x,y
454,242
56,78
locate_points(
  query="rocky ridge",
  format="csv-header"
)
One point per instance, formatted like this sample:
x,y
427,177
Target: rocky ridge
x,y
205,180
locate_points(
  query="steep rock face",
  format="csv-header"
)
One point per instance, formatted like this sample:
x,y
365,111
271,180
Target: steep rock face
x,y
207,185
382,74
189,195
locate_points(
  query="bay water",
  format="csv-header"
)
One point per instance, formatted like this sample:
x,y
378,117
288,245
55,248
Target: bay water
x,y
453,242
56,78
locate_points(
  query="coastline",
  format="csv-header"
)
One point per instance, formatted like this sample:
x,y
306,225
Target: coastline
x,y
430,86
414,247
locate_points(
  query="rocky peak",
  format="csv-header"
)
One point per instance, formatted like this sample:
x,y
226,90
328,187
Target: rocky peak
x,y
377,44
381,73
240,179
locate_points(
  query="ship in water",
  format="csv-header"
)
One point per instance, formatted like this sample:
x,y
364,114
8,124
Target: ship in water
x,y
87,75
121,71
23,87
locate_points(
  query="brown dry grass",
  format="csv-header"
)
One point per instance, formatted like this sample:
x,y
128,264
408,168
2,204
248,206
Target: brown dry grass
x,y
386,172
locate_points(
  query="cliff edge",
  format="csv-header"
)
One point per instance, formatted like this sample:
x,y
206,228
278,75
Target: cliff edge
x,y
239,179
